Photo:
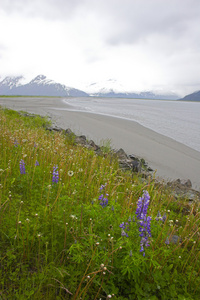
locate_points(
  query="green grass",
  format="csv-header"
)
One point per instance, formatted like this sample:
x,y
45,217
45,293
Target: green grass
x,y
58,242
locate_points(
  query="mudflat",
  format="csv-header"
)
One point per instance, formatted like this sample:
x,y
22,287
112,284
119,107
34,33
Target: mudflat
x,y
170,159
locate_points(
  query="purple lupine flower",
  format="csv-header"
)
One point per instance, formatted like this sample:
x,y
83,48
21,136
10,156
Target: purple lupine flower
x,y
36,163
55,178
167,241
22,167
158,217
142,205
102,198
123,233
16,143
124,226
102,187
104,201
144,242
144,221
161,218
127,226
164,217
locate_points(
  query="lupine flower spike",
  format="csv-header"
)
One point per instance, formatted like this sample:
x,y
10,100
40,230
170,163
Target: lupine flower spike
x,y
22,167
55,178
144,221
104,200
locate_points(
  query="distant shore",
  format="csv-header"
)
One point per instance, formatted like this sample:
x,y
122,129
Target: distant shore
x,y
171,159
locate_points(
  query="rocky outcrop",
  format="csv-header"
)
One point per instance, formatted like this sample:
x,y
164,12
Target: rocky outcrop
x,y
180,188
183,188
126,162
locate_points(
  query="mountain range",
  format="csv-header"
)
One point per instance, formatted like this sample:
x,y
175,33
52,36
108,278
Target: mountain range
x,y
112,88
39,86
42,86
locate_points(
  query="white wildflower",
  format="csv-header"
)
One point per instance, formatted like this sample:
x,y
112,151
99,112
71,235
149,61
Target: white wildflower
x,y
70,173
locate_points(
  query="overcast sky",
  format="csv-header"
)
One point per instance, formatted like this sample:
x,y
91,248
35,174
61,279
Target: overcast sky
x,y
143,44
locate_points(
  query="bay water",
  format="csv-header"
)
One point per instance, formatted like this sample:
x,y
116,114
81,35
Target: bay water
x,y
179,120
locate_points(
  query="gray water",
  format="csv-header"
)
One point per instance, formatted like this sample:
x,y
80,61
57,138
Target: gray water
x,y
178,120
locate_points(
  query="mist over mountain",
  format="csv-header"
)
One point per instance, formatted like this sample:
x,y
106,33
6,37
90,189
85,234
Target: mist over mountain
x,y
113,88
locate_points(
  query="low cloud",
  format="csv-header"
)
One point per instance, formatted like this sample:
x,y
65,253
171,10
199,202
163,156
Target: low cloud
x,y
147,42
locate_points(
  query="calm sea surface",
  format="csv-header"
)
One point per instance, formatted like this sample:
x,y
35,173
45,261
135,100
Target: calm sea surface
x,y
176,119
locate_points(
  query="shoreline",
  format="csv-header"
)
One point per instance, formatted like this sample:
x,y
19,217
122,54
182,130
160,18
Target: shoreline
x,y
171,159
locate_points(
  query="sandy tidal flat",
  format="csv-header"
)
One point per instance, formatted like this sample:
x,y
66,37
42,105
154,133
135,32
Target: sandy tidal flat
x,y
171,159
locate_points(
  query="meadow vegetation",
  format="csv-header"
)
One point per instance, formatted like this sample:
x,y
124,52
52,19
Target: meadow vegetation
x,y
73,225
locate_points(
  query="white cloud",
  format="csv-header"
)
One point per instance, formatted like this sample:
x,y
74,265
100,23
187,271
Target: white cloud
x,y
144,44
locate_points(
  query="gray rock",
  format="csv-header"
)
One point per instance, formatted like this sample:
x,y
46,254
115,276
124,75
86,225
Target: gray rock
x,y
186,183
58,129
191,196
150,169
81,140
183,189
125,164
182,182
93,145
27,115
49,128
136,166
68,131
133,157
121,154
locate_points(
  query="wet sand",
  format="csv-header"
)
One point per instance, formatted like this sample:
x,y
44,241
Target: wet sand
x,y
170,159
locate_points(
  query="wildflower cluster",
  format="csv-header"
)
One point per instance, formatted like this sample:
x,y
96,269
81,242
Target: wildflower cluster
x,y
76,211
144,220
102,198
159,217
22,167
55,178
167,241
124,226
16,143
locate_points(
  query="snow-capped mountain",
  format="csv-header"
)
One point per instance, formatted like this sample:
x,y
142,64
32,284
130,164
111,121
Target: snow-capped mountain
x,y
42,86
9,83
112,88
104,87
39,86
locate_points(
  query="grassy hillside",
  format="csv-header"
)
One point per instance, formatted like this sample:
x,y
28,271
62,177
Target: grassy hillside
x,y
73,225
